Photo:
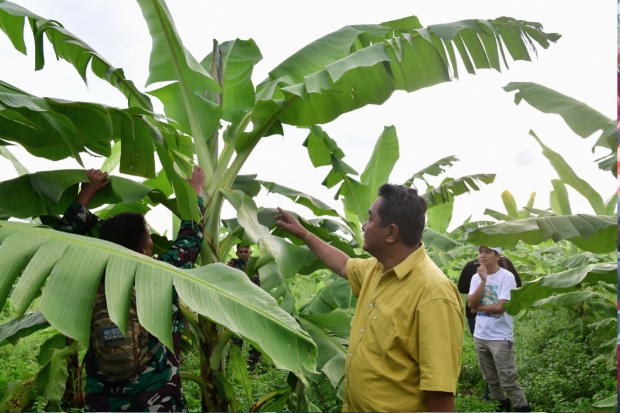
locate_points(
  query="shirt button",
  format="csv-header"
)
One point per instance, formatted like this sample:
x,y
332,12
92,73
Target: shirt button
x,y
374,318
350,354
371,304
362,330
346,405
346,381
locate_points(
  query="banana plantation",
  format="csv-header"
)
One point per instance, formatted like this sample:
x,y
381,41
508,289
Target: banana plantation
x,y
215,115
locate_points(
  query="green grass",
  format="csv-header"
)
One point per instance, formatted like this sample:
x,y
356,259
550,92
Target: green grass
x,y
554,365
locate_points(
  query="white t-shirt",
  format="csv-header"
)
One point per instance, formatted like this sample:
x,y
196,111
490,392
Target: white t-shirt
x,y
498,286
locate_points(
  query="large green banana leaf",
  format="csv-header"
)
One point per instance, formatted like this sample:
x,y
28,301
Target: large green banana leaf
x,y
53,191
581,118
66,46
562,282
364,64
317,206
592,233
569,177
72,265
171,61
55,129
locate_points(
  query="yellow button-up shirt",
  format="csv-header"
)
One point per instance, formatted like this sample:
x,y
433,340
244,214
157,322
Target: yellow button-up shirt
x,y
406,338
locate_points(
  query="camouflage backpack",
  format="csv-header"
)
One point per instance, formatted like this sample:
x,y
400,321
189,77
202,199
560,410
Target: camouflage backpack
x,y
120,358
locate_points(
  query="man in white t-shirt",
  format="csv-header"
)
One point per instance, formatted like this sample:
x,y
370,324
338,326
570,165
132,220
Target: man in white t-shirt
x,y
488,292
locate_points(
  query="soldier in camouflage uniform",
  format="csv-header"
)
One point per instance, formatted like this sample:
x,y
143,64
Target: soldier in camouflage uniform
x,y
243,254
158,387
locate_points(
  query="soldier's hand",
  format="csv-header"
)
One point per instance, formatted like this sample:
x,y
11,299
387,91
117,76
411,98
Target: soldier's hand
x,y
230,264
96,180
197,180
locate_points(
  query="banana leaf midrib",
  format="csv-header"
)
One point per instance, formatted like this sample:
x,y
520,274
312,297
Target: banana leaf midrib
x,y
113,249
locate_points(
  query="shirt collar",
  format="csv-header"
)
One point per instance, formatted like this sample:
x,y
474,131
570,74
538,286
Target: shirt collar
x,y
410,262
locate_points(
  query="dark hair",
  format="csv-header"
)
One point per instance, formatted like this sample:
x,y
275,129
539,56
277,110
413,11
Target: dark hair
x,y
240,245
404,208
127,229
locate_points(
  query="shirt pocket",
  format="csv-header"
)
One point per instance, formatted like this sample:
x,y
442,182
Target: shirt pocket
x,y
379,336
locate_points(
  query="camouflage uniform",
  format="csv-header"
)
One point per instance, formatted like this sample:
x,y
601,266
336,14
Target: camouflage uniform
x,y
254,355
158,387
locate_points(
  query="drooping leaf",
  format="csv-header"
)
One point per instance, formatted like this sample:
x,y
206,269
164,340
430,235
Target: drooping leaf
x,y
581,118
65,128
455,187
592,233
72,266
364,64
15,329
435,169
569,177
68,47
562,282
318,207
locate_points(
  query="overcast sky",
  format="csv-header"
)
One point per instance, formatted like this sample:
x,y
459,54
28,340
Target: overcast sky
x,y
472,118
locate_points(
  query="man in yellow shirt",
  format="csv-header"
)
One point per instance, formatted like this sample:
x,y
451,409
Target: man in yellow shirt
x,y
407,334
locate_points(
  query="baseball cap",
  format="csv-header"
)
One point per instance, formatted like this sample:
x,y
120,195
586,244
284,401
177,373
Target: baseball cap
x,y
496,249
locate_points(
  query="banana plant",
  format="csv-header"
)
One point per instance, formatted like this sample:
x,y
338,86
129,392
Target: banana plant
x,y
581,247
343,71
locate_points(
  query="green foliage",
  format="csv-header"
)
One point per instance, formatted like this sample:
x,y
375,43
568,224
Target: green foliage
x,y
555,367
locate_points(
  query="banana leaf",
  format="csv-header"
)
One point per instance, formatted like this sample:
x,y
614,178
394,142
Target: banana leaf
x,y
592,233
563,282
66,46
72,265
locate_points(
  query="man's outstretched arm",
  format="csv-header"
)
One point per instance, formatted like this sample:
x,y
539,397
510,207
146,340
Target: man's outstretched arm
x,y
332,257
